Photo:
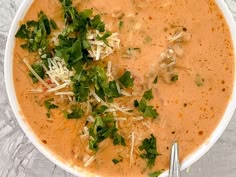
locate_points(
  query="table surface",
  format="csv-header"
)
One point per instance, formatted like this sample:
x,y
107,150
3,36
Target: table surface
x,y
19,158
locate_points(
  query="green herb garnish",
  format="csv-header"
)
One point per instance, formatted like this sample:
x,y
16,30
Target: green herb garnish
x,y
118,139
121,24
136,103
49,105
174,78
75,113
148,111
81,91
155,174
102,128
104,37
53,24
150,154
126,80
71,51
113,90
97,23
38,68
155,80
117,160
148,95
35,33
99,110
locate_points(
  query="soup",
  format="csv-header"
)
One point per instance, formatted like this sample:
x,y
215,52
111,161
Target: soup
x,y
108,86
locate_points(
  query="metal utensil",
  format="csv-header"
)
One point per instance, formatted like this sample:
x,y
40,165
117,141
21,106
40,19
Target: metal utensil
x,y
174,161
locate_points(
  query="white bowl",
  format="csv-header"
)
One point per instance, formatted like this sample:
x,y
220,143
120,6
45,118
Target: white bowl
x,y
8,70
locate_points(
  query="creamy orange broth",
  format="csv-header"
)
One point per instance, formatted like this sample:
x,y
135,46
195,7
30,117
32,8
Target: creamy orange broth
x,y
188,113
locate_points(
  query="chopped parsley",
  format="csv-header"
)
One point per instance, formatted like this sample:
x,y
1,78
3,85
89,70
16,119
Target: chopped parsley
x,y
104,37
71,51
150,112
155,80
49,105
53,24
126,80
104,89
174,78
75,113
136,103
148,95
81,90
73,44
99,110
38,68
147,110
117,160
113,90
150,151
96,78
97,23
102,128
118,139
35,33
121,24
155,174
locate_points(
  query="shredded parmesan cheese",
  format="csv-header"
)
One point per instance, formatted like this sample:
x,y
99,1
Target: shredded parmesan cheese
x,y
98,99
123,92
120,118
58,87
132,148
138,118
118,87
109,75
110,110
92,158
85,132
58,72
64,93
35,90
99,49
123,110
69,97
90,119
88,108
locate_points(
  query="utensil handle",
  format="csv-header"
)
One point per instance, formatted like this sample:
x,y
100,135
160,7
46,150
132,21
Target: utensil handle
x,y
174,161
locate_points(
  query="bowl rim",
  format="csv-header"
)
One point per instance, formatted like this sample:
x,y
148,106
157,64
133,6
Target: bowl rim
x,y
187,162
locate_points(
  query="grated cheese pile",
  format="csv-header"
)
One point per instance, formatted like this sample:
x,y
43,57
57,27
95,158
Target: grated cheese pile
x,y
58,72
99,49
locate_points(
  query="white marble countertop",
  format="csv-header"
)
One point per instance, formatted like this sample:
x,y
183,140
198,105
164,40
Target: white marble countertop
x,y
19,158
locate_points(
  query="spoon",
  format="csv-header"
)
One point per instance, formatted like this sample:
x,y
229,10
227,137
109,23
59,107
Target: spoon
x,y
174,161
